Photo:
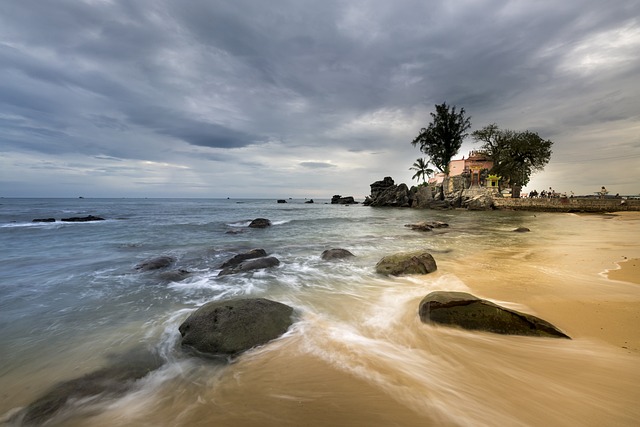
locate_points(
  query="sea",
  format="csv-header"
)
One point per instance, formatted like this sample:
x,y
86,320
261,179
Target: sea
x,y
73,306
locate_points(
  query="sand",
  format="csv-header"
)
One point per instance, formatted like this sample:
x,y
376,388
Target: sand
x,y
628,271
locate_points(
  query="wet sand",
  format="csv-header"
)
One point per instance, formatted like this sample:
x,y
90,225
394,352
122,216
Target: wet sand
x,y
628,271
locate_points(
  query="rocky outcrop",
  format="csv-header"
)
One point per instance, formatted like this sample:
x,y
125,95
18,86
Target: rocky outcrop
x,y
260,223
82,219
251,264
155,263
336,253
469,312
426,226
237,259
421,197
416,262
233,326
339,200
386,193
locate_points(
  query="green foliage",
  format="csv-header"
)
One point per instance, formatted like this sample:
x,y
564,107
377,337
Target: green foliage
x,y
442,139
515,155
422,170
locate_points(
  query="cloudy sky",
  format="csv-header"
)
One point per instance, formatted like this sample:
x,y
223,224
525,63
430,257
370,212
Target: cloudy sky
x,y
294,98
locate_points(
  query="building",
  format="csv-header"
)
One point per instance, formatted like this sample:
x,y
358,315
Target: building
x,y
474,169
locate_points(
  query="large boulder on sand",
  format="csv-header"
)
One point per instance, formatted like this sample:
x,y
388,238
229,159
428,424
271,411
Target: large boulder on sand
x,y
469,312
416,262
336,253
251,264
233,326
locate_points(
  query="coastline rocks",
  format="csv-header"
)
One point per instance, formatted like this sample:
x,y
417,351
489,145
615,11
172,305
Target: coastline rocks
x,y
233,326
469,312
93,388
422,197
336,253
339,200
155,263
481,202
426,226
386,193
260,223
237,259
175,275
44,220
251,264
82,219
416,262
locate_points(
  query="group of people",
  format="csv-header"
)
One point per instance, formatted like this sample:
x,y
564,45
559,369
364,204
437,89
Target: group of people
x,y
548,194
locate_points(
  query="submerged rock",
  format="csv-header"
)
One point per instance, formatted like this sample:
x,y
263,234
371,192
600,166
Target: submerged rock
x,y
233,326
82,219
251,264
237,259
335,253
89,390
416,262
44,220
155,263
175,275
426,226
469,312
260,223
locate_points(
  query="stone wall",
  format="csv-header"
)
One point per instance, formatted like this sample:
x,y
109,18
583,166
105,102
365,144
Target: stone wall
x,y
575,204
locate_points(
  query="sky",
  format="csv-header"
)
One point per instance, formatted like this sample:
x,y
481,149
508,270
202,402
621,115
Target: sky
x,y
305,99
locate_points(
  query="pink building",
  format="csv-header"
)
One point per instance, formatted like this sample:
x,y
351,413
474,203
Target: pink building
x,y
472,165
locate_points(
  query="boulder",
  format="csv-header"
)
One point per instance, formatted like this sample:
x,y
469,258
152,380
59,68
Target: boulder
x,y
155,263
481,202
416,262
426,226
521,230
469,312
250,264
233,326
82,219
336,253
421,197
260,223
237,259
108,383
339,200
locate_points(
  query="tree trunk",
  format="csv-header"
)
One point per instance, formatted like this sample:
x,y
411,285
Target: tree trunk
x,y
515,191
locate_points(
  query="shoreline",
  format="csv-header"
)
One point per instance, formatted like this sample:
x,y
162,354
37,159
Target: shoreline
x,y
628,271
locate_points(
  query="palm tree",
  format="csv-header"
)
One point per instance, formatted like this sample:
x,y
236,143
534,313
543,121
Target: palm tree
x,y
422,170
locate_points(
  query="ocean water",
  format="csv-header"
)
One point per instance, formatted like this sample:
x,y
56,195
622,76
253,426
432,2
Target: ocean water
x,y
72,303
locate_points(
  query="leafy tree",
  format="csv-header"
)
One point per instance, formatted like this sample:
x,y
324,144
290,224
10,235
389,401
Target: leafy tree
x,y
422,170
442,139
515,155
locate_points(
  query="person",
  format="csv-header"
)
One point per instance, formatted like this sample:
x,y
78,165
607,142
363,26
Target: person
x,y
603,192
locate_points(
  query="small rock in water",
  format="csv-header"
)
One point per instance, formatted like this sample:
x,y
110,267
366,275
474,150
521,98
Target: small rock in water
x,y
44,220
336,253
521,230
260,223
156,263
417,262
237,259
82,219
251,264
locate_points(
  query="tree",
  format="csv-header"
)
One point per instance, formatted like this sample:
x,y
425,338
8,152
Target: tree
x,y
442,139
515,155
422,170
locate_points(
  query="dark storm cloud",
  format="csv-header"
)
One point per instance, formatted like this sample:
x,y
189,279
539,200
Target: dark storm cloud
x,y
123,79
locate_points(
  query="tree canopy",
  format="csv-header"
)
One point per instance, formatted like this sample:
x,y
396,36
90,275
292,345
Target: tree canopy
x,y
515,155
442,139
422,169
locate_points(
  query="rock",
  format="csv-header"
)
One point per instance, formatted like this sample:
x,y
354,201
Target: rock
x,y
426,226
233,326
309,201
469,312
282,201
107,383
260,223
521,230
237,259
155,263
82,219
336,253
339,200
44,220
421,197
416,262
175,275
251,264
481,202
